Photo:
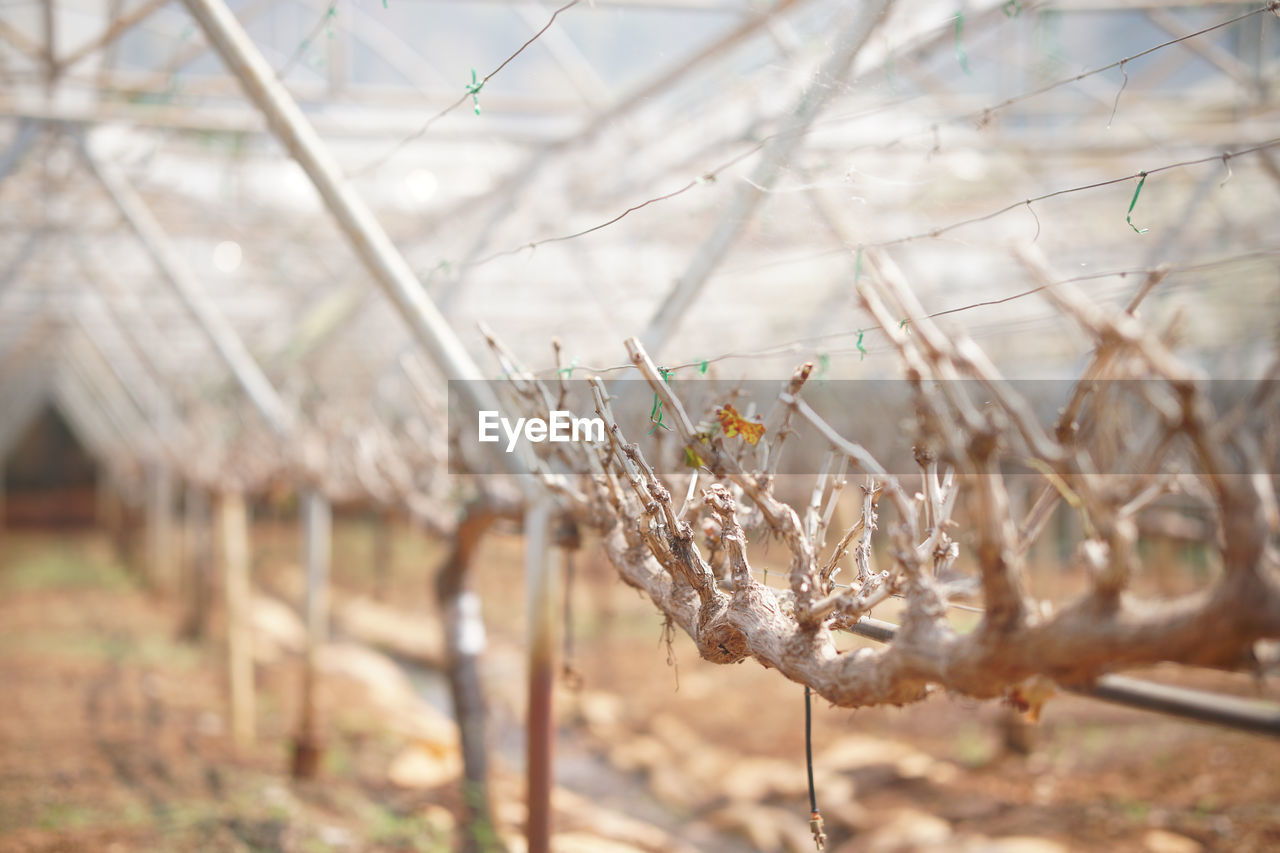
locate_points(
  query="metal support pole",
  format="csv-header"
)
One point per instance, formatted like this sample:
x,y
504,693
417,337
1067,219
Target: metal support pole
x,y
318,532
540,575
317,527
738,214
465,642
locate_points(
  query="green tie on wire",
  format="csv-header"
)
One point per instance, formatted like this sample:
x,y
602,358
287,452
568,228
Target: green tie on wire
x,y
473,89
1128,217
655,413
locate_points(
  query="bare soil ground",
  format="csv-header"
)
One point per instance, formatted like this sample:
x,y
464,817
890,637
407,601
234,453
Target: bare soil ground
x,y
112,736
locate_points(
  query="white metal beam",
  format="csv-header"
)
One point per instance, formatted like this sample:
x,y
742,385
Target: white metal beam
x,y
369,240
174,267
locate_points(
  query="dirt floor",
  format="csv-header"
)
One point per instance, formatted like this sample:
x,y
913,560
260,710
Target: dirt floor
x,y
113,733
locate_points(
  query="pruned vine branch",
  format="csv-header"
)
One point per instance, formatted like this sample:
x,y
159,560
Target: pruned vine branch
x,y
684,539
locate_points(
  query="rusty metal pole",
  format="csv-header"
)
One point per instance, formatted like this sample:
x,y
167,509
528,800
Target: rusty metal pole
x,y
541,580
465,642
317,526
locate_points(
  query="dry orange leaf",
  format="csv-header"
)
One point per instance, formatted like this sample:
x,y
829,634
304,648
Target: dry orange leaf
x,y
735,424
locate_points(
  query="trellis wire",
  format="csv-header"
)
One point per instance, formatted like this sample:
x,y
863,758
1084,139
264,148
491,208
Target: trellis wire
x,y
983,114
470,91
803,344
897,241
325,21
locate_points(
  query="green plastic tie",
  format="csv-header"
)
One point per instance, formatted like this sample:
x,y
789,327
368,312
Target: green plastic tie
x,y
655,413
1128,217
473,89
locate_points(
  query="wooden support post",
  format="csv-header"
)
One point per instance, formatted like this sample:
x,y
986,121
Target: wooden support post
x,y
198,590
233,524
541,579
317,533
